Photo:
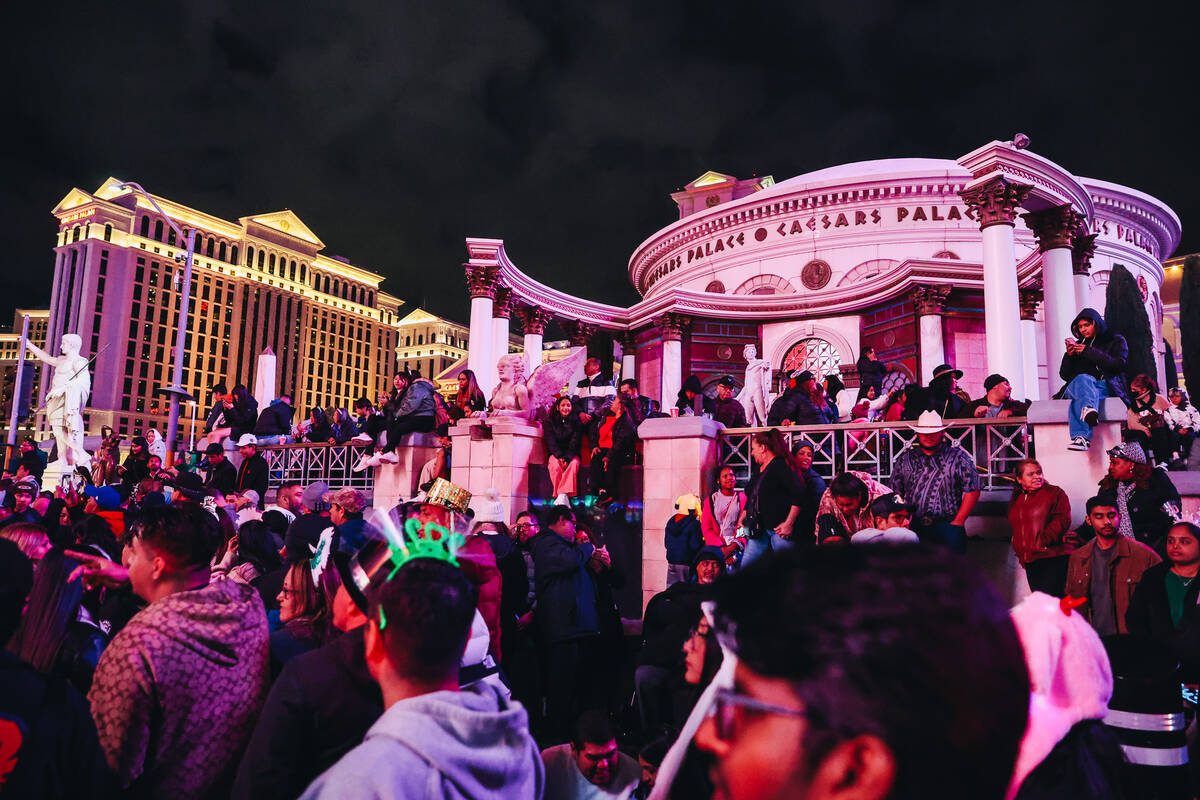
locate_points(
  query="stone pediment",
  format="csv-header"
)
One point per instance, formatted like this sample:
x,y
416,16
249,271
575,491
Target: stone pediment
x,y
287,223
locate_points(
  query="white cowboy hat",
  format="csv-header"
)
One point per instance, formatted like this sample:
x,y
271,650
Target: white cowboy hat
x,y
929,422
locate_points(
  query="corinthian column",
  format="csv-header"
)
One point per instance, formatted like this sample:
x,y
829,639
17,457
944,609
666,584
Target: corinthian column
x,y
1029,303
1053,228
994,204
481,282
533,322
578,333
930,302
1083,247
501,309
670,326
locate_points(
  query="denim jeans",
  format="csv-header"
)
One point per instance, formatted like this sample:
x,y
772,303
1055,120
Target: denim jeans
x,y
764,543
1084,390
282,439
944,533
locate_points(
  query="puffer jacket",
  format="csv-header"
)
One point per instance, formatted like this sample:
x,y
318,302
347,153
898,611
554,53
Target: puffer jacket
x,y
1041,524
1183,416
1104,357
478,562
417,400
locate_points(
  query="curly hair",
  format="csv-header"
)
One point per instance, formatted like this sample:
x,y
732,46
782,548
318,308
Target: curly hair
x,y
516,361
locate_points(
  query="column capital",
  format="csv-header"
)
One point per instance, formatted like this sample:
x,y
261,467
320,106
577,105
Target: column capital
x,y
501,302
929,299
1083,247
578,332
1030,298
995,202
533,319
1052,227
671,325
628,340
482,280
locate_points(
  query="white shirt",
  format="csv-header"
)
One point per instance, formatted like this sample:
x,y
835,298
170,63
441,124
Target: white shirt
x,y
564,781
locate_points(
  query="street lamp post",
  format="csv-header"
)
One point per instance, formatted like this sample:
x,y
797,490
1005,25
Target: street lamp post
x,y
175,390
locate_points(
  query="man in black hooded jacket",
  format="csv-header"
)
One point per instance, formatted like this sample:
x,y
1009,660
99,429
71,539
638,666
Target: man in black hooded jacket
x,y
1093,368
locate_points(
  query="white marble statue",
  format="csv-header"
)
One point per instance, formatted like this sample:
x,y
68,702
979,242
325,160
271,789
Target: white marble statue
x,y
515,397
70,387
755,397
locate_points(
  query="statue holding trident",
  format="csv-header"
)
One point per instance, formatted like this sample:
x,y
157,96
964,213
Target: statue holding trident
x,y
756,394
68,394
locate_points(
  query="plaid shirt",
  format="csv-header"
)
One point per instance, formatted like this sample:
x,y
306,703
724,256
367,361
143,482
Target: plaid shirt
x,y
935,484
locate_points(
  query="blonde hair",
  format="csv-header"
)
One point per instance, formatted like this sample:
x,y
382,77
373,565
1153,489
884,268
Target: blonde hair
x,y
31,538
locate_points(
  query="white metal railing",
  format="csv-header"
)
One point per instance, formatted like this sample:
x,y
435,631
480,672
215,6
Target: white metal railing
x,y
996,445
308,462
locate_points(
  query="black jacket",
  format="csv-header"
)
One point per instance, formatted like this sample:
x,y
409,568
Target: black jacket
x,y
669,616
729,413
275,420
60,755
624,435
566,599
775,490
563,435
1150,520
870,373
318,710
797,406
1149,614
242,419
252,474
700,404
1104,357
222,477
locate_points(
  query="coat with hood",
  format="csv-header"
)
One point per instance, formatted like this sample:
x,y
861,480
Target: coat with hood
x,y
1103,358
700,404
275,419
798,406
417,401
566,598
467,744
683,538
177,691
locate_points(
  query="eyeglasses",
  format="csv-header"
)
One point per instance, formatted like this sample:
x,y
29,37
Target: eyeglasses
x,y
523,526
727,703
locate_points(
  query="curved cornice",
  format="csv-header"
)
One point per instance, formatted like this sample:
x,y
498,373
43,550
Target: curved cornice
x,y
1052,185
1141,210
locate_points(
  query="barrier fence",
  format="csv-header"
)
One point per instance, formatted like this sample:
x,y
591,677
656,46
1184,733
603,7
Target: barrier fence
x,y
996,445
310,462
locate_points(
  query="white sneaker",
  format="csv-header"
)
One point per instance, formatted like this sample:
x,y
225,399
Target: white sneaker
x,y
362,464
562,500
365,438
386,458
1079,443
1090,416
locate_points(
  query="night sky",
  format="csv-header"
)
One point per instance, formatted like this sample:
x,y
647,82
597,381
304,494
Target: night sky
x,y
394,130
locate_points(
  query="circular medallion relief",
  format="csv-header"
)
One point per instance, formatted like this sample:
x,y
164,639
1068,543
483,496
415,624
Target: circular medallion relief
x,y
724,352
889,339
815,275
1143,287
712,200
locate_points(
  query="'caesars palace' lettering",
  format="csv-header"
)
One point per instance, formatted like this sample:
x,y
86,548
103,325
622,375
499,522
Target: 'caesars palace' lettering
x,y
1124,234
814,223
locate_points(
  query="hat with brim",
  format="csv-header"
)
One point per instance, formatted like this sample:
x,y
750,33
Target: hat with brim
x,y
247,440
929,422
947,369
106,497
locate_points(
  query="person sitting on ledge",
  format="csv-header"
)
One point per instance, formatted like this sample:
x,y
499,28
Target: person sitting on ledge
x,y
1146,422
691,400
726,409
593,392
640,407
274,423
1093,368
997,401
1184,420
413,409
944,395
616,440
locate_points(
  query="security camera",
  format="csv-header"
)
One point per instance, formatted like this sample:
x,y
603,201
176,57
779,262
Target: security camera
x,y
1020,141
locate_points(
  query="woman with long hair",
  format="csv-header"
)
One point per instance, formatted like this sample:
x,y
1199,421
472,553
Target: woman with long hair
x,y
305,609
1042,538
57,635
32,538
616,440
342,426
470,400
249,554
318,429
241,413
563,433
775,497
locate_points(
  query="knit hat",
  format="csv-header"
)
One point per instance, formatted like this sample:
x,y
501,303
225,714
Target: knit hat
x,y
687,504
311,498
106,497
487,506
993,380
214,449
1129,450
726,381
1069,677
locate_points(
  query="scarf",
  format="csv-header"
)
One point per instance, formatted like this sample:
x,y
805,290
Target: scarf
x,y
1124,492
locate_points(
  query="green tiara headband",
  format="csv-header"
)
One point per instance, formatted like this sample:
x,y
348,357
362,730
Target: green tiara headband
x,y
418,541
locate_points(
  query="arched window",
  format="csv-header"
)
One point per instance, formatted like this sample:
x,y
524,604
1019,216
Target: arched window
x,y
75,234
292,270
716,287
303,272
867,270
221,251
249,256
212,245
158,230
345,290
144,230
262,258
107,232
897,378
765,284
170,236
271,264
233,256
336,285
815,355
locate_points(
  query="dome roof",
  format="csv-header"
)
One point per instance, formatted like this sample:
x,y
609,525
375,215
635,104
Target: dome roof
x,y
869,172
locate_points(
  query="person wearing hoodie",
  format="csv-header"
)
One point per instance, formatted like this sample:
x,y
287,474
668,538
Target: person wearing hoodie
x,y
683,538
1092,369
691,400
803,403
176,693
434,739
274,424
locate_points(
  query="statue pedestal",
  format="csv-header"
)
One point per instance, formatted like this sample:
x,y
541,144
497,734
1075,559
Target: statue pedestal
x,y
512,461
679,456
396,482
1076,473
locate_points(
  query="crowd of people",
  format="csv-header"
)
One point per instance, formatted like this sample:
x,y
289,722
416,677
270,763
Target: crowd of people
x,y
174,631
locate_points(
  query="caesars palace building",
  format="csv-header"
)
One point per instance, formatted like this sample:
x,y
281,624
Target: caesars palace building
x,y
981,262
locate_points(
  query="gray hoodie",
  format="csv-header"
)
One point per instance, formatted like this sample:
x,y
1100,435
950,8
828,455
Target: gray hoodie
x,y
467,744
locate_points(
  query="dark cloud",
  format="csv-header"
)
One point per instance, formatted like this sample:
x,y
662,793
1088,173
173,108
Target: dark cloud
x,y
396,130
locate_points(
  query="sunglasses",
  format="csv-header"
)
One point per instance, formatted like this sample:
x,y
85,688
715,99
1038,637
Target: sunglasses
x,y
728,702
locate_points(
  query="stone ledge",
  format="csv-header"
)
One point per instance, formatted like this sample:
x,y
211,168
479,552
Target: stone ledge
x,y
679,428
1055,411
